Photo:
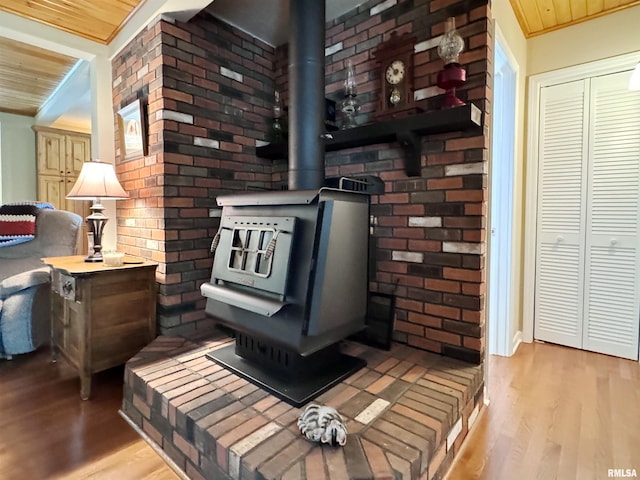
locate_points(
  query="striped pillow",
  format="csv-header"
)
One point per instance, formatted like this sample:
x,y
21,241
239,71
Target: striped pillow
x,y
17,224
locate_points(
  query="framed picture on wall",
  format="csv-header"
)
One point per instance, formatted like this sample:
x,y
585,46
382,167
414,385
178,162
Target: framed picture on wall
x,y
133,136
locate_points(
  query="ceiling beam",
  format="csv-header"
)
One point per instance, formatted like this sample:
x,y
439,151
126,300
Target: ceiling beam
x,y
147,12
71,93
40,35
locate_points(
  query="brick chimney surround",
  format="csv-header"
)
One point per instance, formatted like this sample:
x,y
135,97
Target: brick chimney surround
x,y
208,91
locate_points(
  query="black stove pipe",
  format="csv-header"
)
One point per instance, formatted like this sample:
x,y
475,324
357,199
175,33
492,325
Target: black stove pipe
x,y
306,94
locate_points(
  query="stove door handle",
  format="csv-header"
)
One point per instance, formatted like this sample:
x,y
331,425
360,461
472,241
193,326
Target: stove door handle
x,y
215,242
271,246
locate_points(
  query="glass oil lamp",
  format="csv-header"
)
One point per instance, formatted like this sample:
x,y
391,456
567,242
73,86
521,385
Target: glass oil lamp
x,y
452,75
350,104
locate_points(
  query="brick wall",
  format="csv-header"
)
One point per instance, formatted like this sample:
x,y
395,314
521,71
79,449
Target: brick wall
x,y
137,74
430,238
210,91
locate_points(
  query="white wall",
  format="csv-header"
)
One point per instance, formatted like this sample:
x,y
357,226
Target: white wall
x,y
516,44
17,158
603,37
506,19
103,142
598,39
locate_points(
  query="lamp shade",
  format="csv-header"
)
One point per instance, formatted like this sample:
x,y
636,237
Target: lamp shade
x,y
634,81
97,180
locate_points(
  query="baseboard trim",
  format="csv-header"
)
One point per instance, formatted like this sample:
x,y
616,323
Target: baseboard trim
x,y
517,340
155,447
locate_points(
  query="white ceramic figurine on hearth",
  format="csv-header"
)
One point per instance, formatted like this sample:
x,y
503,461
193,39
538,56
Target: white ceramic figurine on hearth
x,y
322,424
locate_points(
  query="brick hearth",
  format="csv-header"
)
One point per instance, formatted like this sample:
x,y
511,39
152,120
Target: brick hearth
x,y
407,414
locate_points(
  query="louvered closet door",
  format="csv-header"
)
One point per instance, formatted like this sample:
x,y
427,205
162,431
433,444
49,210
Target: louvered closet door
x,y
560,223
612,262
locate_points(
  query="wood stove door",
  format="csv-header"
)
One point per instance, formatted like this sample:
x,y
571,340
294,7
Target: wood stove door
x,y
255,251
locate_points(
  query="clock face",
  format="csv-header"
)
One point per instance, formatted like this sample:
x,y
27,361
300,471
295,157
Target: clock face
x,y
395,72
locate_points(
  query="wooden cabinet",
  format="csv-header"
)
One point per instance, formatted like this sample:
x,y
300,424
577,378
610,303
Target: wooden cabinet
x,y
54,189
60,155
101,316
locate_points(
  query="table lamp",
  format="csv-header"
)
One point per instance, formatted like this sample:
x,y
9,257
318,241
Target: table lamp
x,y
97,180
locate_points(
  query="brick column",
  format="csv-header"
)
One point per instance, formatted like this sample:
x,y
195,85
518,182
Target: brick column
x,y
209,90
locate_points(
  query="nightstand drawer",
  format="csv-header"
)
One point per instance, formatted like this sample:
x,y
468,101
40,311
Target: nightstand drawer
x,y
64,285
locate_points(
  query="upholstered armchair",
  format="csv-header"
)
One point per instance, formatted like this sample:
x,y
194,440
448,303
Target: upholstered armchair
x,y
25,316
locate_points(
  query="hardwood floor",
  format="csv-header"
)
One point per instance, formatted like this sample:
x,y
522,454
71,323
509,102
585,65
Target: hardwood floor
x,y
555,413
47,432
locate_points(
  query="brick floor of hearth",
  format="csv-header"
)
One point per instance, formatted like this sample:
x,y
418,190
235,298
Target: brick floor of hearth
x,y
407,413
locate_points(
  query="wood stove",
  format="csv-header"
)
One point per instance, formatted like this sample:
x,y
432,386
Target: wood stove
x,y
290,277
290,268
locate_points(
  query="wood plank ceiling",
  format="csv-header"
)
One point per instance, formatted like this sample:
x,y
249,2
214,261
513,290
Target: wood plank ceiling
x,y
28,74
98,20
542,16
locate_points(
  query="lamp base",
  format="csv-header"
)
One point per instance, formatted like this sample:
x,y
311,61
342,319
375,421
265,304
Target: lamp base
x,y
450,78
96,222
94,257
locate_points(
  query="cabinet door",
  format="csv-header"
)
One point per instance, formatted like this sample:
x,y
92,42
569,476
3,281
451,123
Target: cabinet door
x,y
78,151
612,262
51,153
52,189
560,223
81,207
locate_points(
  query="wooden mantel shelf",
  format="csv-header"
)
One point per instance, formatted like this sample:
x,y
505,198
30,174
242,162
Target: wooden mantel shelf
x,y
407,131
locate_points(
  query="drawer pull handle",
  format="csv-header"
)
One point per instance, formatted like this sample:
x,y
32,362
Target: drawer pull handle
x,y
67,288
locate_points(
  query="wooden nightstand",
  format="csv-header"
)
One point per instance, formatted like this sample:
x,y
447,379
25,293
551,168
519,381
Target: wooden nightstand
x,y
100,316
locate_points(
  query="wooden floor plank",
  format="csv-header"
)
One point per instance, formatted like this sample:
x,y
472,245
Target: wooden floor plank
x,y
555,412
47,432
